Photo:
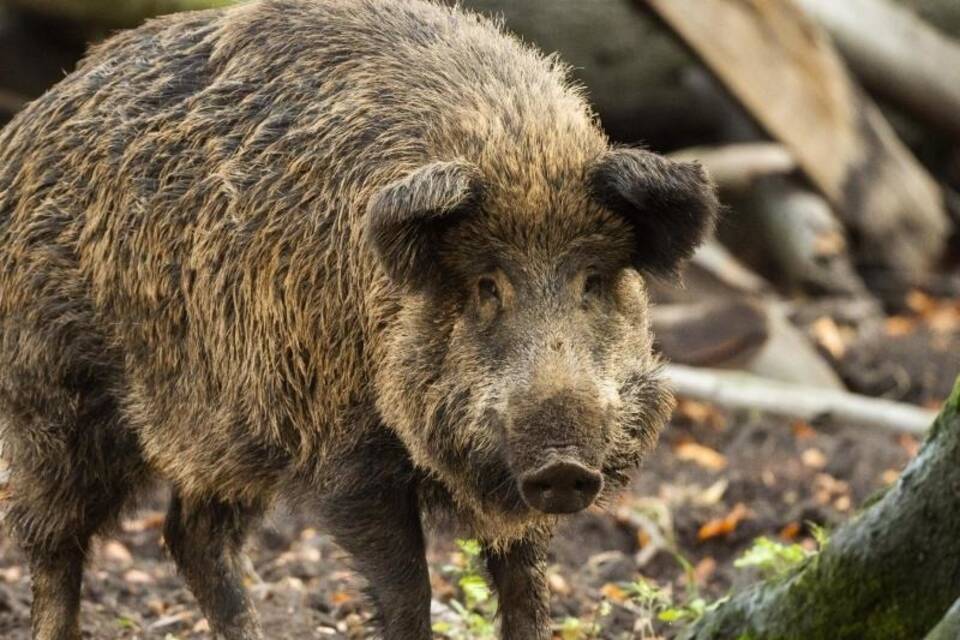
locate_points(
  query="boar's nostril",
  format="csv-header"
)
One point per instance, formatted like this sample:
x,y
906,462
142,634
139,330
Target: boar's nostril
x,y
563,486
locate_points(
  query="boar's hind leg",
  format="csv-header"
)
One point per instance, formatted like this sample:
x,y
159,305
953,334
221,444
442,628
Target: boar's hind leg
x,y
518,575
379,525
206,540
72,468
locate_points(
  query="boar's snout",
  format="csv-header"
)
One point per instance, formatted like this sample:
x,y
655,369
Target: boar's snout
x,y
560,486
557,446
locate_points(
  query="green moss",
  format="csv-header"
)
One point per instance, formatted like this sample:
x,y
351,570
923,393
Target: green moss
x,y
953,402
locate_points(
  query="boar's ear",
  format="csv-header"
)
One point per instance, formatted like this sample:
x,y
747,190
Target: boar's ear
x,y
671,205
406,218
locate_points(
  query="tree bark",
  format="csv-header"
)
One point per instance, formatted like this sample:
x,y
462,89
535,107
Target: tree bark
x,y
949,627
889,574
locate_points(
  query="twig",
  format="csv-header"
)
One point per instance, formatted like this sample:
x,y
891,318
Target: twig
x,y
738,390
735,167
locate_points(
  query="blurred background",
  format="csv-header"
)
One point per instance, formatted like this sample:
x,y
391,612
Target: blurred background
x,y
833,130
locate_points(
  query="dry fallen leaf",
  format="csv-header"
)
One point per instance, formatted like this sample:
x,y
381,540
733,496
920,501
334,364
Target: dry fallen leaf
x,y
945,321
813,458
703,456
725,525
896,326
156,606
113,551
920,303
712,494
135,576
827,488
802,430
827,334
843,503
643,538
11,574
790,531
704,570
701,413
558,584
909,444
889,476
613,592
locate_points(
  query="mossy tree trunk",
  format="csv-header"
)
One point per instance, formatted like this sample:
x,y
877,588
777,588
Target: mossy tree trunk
x,y
891,573
949,627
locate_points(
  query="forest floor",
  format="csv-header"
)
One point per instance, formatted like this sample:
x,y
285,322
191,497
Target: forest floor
x,y
716,483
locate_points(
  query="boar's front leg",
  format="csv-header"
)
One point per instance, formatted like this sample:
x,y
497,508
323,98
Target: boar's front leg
x,y
519,577
375,516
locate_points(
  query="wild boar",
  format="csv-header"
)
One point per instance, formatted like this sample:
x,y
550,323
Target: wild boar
x,y
374,256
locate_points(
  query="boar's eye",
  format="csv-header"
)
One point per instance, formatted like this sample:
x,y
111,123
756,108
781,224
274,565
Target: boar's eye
x,y
488,292
592,286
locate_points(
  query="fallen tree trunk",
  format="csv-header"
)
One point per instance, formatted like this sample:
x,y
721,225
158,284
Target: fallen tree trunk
x,y
738,390
110,13
896,55
891,573
795,238
786,73
635,71
944,14
712,333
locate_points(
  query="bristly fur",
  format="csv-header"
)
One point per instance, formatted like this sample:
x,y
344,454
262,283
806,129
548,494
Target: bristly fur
x,y
237,252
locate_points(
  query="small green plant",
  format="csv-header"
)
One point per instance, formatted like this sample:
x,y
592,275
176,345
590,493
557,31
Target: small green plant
x,y
126,623
647,596
820,534
584,629
477,606
772,559
686,612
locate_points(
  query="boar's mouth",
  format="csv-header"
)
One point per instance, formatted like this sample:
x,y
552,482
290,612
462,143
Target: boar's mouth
x,y
480,465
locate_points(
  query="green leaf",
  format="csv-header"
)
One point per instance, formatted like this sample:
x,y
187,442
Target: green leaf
x,y
572,629
672,615
442,627
469,548
820,534
475,590
126,623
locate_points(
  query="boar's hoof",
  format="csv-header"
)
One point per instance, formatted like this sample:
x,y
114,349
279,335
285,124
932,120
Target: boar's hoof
x,y
562,486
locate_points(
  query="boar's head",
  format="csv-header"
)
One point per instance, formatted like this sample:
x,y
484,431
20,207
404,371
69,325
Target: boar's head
x,y
519,370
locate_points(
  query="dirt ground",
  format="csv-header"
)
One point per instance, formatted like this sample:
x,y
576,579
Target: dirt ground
x,y
717,481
